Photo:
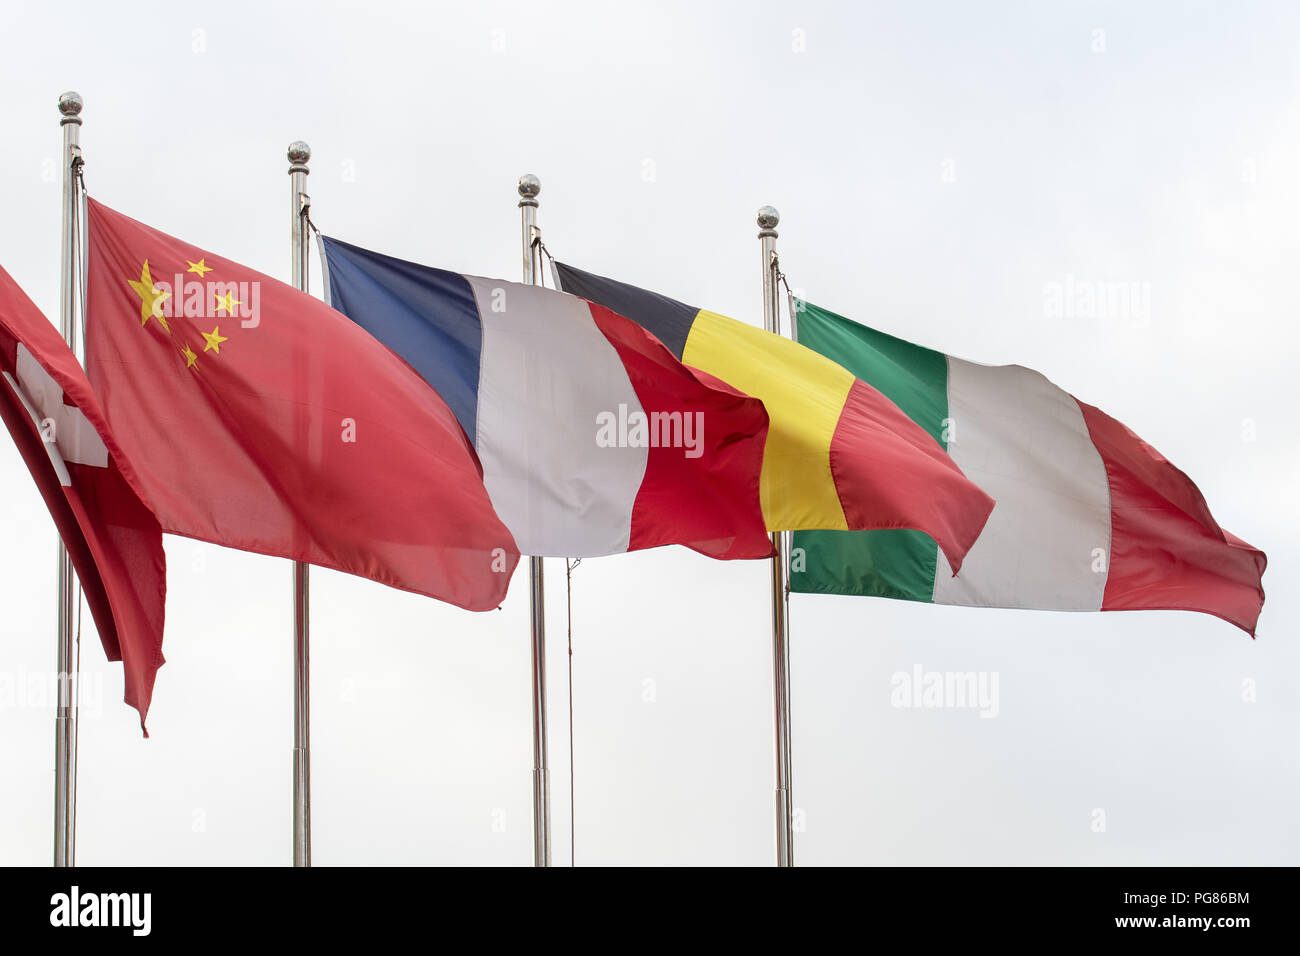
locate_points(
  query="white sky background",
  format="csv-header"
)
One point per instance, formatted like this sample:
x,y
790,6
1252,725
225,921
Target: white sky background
x,y
1169,159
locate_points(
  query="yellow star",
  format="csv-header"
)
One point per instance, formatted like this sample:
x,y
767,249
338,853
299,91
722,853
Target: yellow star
x,y
200,268
227,302
191,359
151,299
214,339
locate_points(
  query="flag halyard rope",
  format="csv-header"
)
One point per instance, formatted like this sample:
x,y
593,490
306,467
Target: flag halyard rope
x,y
569,566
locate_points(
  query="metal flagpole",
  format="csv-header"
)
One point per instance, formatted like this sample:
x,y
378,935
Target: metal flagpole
x,y
768,218
65,719
529,187
299,154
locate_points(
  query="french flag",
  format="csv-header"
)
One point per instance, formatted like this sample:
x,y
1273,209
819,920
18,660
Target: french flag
x,y
593,438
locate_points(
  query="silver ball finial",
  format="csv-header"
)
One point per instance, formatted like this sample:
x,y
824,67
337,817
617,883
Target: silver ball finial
x,y
70,103
529,186
299,152
768,217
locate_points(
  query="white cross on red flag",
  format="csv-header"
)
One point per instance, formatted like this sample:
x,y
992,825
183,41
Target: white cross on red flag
x,y
112,537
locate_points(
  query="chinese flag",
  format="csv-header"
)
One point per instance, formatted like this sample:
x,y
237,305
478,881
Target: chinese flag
x,y
257,417
112,537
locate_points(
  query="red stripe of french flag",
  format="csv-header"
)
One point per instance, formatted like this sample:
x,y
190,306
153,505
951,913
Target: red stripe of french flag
x,y
701,483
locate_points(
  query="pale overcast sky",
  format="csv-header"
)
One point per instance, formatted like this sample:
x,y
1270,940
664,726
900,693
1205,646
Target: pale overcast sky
x,y
938,166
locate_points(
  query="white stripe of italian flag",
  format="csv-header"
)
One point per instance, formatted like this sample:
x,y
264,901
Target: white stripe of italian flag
x,y
1089,517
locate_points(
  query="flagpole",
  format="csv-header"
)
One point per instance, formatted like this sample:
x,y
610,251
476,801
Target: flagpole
x,y
529,187
768,218
65,719
299,154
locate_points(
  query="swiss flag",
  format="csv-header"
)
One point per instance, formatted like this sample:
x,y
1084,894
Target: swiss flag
x,y
112,537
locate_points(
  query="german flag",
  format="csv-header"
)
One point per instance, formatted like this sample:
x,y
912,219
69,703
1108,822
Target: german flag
x,y
839,454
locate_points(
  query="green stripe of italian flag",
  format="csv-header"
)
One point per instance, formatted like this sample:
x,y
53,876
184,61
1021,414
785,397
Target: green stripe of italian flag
x,y
1088,516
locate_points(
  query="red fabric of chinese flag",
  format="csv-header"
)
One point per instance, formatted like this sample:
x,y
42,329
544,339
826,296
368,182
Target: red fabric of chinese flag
x,y
259,418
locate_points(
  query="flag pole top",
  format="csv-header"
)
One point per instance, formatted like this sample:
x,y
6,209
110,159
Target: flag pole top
x,y
529,187
299,154
768,218
70,105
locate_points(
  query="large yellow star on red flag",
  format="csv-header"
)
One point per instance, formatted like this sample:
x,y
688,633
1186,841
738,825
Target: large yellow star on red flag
x,y
151,299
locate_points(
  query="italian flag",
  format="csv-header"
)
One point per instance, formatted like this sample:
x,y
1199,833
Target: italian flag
x,y
1089,517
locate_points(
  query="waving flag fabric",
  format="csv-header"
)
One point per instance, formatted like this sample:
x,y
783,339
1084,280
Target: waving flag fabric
x,y
839,454
112,538
594,438
1089,517
259,418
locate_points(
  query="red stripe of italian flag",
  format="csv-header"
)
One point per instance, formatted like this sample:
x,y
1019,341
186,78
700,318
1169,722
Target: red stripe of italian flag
x,y
1089,517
